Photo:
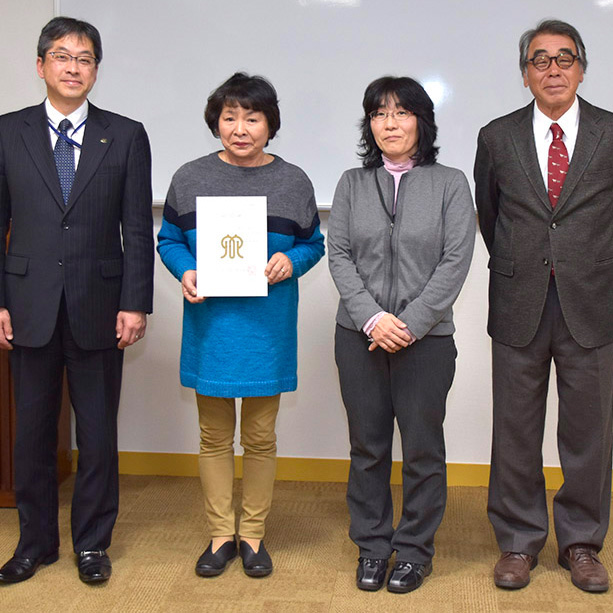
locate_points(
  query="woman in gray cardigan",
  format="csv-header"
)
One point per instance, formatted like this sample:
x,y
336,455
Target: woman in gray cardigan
x,y
400,240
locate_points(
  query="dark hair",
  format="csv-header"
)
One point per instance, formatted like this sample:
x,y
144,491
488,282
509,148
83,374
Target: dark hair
x,y
551,26
254,93
410,95
59,27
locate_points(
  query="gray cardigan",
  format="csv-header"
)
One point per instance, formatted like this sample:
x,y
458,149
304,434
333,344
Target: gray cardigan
x,y
414,268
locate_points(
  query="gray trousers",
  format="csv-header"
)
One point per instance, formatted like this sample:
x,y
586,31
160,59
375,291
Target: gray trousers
x,y
517,504
410,386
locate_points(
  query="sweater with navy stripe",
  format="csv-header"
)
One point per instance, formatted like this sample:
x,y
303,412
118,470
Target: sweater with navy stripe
x,y
242,346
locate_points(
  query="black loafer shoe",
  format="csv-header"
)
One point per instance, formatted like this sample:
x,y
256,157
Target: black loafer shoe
x,y
94,566
19,569
212,564
370,574
407,576
255,564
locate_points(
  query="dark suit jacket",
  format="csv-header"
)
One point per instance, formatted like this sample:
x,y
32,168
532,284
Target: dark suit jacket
x,y
97,250
525,236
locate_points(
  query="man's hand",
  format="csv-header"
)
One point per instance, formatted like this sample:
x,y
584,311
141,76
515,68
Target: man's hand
x,y
130,327
188,286
6,330
390,334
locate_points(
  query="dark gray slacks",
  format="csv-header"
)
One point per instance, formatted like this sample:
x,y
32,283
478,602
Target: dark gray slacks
x,y
517,504
94,382
410,386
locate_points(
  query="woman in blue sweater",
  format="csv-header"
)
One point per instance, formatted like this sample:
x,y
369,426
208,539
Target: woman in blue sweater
x,y
239,347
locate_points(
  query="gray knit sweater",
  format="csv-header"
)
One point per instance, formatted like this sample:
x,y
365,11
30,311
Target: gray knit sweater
x,y
414,268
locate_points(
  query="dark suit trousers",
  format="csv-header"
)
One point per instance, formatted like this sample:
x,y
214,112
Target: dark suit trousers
x,y
94,381
517,503
410,386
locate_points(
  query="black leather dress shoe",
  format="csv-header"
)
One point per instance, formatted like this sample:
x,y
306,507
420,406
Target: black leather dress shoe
x,y
94,566
407,576
212,564
370,574
255,564
19,569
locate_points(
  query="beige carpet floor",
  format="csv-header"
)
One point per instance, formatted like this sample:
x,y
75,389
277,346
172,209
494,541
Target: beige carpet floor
x,y
160,533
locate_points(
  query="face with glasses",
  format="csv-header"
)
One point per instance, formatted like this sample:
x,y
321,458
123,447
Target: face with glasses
x,y
553,73
394,129
69,70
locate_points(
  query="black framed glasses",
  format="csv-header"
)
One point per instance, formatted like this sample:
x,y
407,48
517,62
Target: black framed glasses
x,y
85,61
564,60
399,115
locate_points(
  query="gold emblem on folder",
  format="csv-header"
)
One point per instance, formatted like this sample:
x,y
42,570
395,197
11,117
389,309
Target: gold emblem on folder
x,y
232,246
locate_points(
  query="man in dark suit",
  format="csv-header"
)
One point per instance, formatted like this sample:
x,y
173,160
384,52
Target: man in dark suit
x,y
75,287
544,192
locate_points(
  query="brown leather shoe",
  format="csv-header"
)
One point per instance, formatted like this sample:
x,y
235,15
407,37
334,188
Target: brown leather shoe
x,y
586,570
512,571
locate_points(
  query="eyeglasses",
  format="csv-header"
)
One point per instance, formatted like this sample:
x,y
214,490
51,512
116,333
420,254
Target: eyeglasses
x,y
399,115
85,61
564,60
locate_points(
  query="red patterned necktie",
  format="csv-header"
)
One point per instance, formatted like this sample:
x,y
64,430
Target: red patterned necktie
x,y
558,164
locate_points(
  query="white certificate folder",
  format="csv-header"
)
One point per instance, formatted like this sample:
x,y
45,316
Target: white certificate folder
x,y
232,245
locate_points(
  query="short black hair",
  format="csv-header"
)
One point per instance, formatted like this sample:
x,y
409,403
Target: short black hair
x,y
551,26
410,95
59,27
251,92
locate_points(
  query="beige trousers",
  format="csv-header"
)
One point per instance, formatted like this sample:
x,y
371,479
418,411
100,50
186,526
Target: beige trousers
x,y
216,462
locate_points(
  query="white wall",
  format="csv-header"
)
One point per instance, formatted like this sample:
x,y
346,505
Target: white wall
x,y
156,414
20,25
162,59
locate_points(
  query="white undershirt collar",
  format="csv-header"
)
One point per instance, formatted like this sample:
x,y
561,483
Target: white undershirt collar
x,y
541,125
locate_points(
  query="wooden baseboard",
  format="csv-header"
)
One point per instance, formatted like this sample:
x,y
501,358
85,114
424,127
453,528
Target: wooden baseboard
x,y
302,469
7,499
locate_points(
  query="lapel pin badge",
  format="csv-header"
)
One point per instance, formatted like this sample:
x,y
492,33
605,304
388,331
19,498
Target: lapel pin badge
x,y
103,140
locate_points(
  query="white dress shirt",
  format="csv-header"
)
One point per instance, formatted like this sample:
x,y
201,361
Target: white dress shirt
x,y
76,118
541,125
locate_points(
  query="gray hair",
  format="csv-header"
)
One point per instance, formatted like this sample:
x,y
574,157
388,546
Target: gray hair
x,y
551,26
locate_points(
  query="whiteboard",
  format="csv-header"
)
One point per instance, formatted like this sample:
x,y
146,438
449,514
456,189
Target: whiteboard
x,y
163,58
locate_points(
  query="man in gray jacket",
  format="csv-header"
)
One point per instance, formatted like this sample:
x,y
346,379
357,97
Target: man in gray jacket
x,y
544,192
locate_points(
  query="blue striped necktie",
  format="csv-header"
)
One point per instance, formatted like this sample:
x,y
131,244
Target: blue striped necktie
x,y
64,160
